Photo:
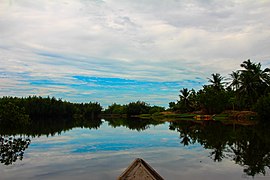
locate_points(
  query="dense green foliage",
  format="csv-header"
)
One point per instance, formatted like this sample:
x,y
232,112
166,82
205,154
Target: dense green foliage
x,y
20,111
116,109
211,100
12,116
133,109
137,108
242,92
156,109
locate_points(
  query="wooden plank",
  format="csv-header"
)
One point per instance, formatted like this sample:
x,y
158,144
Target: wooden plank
x,y
139,170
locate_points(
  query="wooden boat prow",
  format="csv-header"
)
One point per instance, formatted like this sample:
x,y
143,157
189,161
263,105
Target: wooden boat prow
x,y
139,170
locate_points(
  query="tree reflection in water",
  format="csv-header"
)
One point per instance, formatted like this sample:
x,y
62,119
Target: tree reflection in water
x,y
248,146
133,123
12,148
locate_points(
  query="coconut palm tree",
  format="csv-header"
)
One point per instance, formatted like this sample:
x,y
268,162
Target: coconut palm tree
x,y
253,81
184,103
259,76
236,80
216,81
184,96
248,65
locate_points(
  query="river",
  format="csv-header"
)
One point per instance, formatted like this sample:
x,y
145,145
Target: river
x,y
103,149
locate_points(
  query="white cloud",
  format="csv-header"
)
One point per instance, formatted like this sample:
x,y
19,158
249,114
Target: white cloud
x,y
145,40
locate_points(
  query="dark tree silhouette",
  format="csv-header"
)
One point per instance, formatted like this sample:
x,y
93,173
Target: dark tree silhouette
x,y
216,81
12,149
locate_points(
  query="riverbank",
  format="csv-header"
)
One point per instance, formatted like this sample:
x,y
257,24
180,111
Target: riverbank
x,y
227,117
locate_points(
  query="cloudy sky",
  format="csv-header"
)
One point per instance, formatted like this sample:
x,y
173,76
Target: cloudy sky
x,y
125,50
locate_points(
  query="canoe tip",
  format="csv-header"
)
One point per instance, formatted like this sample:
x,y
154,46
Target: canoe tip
x,y
141,168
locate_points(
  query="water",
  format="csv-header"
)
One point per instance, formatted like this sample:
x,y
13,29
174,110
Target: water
x,y
103,149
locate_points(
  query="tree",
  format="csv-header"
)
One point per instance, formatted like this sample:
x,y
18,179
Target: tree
x,y
211,100
116,109
12,116
12,149
172,106
193,100
184,96
136,108
253,82
184,100
236,80
216,81
156,109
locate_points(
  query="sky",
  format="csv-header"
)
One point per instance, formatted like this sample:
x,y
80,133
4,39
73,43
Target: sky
x,y
124,50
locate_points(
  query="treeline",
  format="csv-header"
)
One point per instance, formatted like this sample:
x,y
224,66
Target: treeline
x,y
16,111
133,109
246,89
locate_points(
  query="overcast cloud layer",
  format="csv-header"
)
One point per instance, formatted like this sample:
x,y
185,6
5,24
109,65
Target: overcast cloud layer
x,y
125,50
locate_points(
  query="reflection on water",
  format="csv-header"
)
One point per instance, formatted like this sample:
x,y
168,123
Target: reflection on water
x,y
245,145
133,124
12,148
112,141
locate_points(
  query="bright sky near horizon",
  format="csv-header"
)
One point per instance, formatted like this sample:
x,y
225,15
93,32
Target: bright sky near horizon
x,y
125,50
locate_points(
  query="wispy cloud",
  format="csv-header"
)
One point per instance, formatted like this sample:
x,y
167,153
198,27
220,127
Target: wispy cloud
x,y
144,44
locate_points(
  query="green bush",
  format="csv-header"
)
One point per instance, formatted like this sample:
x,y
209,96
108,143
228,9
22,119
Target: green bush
x,y
137,108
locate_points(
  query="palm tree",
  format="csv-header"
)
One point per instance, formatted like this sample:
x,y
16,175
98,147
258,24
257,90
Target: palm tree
x,y
236,80
216,81
248,65
253,81
259,75
184,96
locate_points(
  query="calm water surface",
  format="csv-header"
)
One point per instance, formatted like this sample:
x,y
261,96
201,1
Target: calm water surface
x,y
180,150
